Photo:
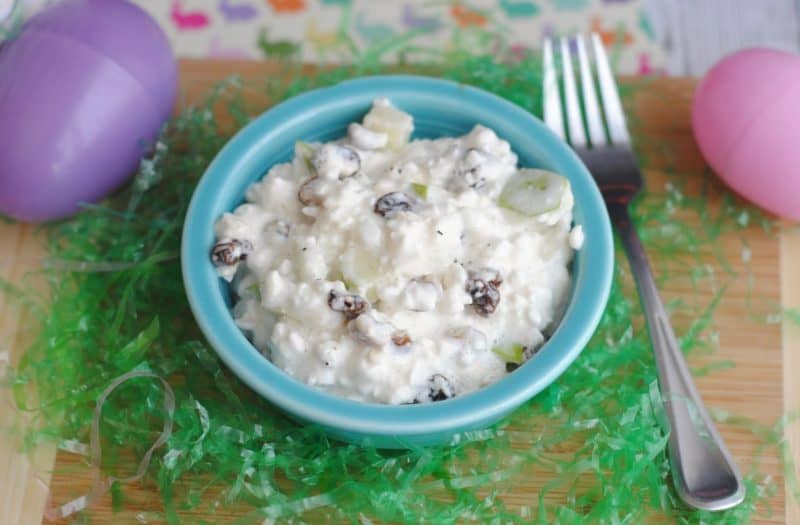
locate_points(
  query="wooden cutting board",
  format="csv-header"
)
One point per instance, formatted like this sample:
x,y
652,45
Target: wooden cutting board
x,y
761,386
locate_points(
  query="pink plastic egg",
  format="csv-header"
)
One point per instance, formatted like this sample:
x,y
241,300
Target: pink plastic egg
x,y
746,119
84,90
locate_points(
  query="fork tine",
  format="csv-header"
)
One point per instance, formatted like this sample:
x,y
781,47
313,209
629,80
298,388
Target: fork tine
x,y
597,136
608,88
577,136
552,100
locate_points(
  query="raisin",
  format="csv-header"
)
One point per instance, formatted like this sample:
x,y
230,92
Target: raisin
x,y
482,285
335,161
401,338
394,202
439,388
228,253
350,304
485,301
351,161
307,194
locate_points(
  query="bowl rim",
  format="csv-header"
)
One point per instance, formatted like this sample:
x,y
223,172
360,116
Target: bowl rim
x,y
317,406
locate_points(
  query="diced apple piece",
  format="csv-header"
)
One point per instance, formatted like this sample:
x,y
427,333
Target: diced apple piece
x,y
385,118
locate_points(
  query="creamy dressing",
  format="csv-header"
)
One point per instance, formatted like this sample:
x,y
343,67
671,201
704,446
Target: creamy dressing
x,y
392,271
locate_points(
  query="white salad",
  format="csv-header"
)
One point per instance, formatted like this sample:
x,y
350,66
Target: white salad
x,y
395,271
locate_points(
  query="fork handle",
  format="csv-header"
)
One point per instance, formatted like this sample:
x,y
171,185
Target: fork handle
x,y
704,474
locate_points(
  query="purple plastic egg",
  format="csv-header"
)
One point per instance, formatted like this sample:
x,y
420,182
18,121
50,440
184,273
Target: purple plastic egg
x,y
84,91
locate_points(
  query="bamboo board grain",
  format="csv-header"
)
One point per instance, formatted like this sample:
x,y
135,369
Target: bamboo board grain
x,y
761,386
23,478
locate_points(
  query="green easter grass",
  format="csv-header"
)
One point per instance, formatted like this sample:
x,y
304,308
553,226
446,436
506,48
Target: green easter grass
x,y
117,304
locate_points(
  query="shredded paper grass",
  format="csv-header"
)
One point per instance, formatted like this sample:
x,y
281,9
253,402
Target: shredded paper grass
x,y
591,447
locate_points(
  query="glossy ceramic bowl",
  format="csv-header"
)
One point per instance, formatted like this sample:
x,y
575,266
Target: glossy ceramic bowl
x,y
440,108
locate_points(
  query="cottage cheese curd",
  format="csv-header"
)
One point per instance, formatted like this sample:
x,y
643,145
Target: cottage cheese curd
x,y
396,272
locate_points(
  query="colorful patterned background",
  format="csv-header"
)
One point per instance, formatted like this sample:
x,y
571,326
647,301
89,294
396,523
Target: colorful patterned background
x,y
679,37
333,30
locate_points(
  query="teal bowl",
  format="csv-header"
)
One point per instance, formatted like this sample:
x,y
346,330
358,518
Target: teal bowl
x,y
440,108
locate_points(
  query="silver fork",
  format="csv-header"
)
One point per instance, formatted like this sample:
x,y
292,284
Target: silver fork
x,y
704,474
